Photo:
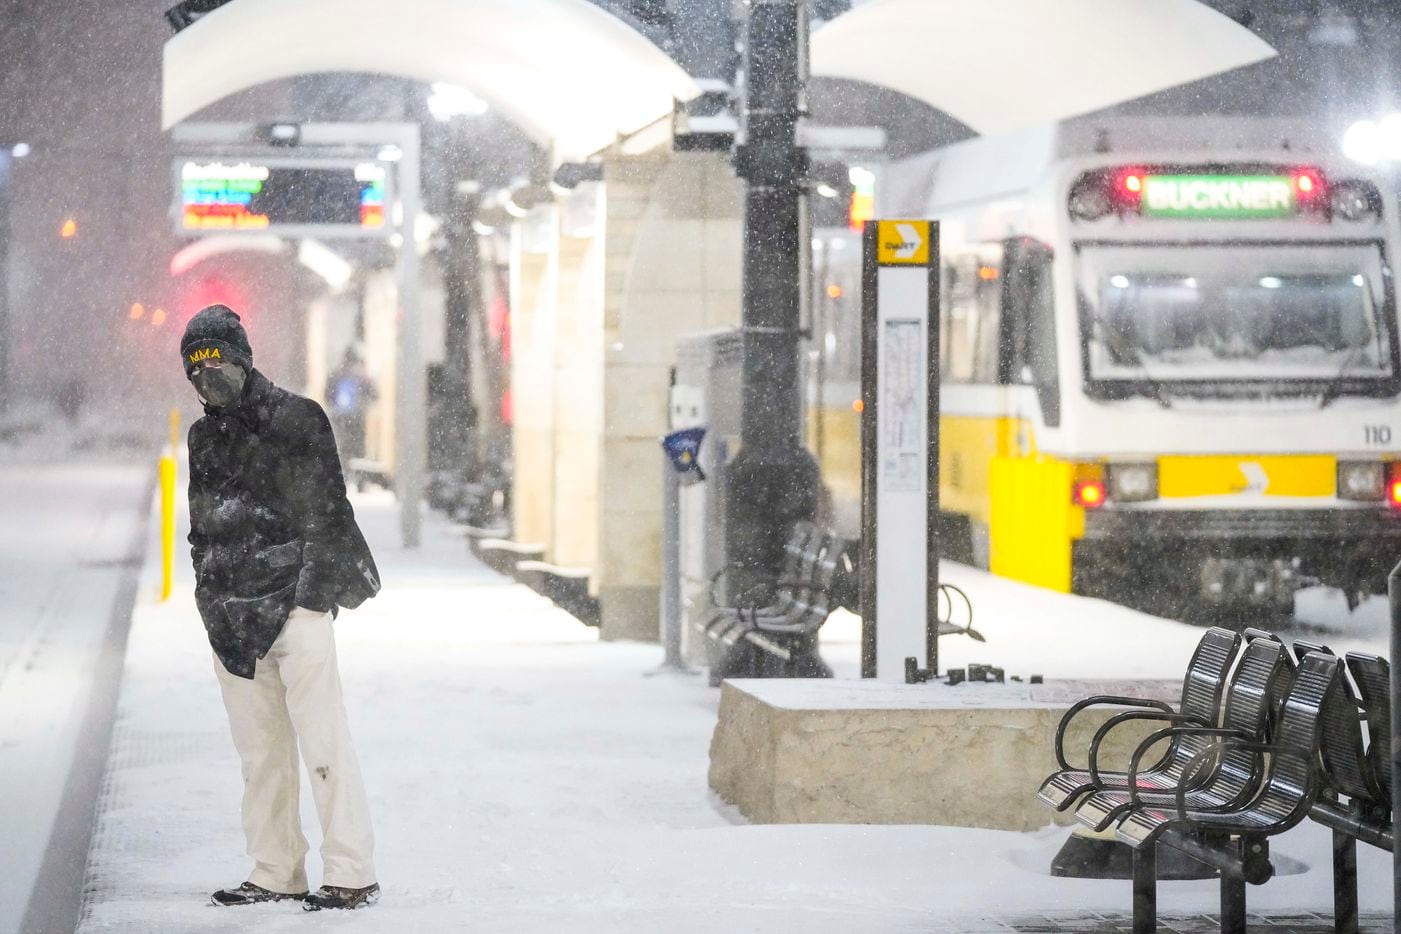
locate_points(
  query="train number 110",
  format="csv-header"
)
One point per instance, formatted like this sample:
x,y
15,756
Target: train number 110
x,y
1377,434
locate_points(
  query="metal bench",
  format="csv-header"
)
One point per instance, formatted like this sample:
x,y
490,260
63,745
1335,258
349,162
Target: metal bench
x,y
801,603
1218,782
1235,841
1202,688
1294,742
1358,768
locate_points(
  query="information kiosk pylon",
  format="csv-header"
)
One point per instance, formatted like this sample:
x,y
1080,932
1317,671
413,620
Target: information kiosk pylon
x,y
899,448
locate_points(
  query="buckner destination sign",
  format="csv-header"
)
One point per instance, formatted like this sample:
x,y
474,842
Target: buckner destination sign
x,y
1240,196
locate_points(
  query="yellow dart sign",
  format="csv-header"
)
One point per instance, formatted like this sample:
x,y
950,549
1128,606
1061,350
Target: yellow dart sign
x,y
902,243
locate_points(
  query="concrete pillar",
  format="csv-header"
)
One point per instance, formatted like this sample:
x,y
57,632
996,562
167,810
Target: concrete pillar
x,y
534,321
673,267
578,378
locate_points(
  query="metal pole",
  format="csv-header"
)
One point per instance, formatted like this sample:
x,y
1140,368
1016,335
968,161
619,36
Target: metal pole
x,y
772,482
1393,589
671,565
411,438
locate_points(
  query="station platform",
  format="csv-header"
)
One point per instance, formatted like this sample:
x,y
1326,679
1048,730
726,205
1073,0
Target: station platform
x,y
526,777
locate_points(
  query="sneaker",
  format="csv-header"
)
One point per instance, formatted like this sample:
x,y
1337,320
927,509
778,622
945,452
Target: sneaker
x,y
334,896
250,894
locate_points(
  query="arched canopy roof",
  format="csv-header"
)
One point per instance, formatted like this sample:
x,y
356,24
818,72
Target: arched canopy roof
x,y
1002,65
574,77
570,75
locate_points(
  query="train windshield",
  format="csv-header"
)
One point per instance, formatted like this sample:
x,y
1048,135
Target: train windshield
x,y
1230,319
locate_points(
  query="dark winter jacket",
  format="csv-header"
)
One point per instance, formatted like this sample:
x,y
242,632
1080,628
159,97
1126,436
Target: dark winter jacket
x,y
270,526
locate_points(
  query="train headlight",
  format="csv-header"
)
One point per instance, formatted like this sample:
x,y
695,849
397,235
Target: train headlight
x,y
1361,480
1089,199
1131,483
1354,200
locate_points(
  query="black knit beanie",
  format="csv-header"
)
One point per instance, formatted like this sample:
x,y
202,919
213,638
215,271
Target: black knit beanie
x,y
215,332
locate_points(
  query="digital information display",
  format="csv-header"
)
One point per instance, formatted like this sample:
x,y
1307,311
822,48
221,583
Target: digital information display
x,y
261,196
1218,196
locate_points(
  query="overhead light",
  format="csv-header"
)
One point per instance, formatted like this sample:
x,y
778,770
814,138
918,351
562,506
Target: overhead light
x,y
1363,143
446,101
826,191
1270,282
389,153
282,134
19,150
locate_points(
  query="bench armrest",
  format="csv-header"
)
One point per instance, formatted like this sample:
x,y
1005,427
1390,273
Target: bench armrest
x,y
1103,732
1136,762
1105,700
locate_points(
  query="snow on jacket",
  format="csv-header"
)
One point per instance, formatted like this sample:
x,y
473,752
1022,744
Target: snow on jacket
x,y
270,525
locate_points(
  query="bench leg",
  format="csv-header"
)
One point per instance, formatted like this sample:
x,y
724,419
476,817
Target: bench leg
x,y
1344,883
1145,889
1232,904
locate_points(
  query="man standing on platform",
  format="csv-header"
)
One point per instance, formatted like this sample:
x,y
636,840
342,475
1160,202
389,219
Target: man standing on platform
x,y
276,550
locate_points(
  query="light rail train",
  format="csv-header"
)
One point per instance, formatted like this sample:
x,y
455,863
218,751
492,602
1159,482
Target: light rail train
x,y
1169,361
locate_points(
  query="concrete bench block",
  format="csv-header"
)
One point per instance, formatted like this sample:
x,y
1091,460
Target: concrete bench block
x,y
865,752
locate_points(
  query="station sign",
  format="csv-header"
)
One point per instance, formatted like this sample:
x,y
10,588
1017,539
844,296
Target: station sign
x,y
294,197
1219,196
899,449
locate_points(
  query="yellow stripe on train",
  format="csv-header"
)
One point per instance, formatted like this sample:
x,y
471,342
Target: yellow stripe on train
x,y
1268,475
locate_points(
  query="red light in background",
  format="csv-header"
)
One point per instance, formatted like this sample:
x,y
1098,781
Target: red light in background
x,y
158,317
1126,187
834,291
137,310
69,230
1308,183
1088,493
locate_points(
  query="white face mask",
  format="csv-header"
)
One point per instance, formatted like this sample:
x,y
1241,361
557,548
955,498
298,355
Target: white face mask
x,y
219,385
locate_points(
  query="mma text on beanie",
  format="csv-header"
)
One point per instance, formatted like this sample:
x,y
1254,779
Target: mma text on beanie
x,y
216,333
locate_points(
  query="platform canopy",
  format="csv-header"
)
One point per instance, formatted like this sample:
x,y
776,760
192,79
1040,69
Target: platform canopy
x,y
574,77
1002,65
570,75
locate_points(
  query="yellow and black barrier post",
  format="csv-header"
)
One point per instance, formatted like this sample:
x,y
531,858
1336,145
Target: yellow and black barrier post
x,y
167,477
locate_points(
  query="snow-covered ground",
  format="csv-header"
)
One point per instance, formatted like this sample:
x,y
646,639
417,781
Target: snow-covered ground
x,y
71,508
526,777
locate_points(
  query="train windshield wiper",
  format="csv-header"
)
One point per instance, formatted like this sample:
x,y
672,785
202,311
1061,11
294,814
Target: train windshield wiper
x,y
1156,390
1335,385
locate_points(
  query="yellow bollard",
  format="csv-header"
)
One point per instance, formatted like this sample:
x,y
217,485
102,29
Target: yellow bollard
x,y
168,508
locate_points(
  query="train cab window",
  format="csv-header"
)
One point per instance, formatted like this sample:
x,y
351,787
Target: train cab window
x,y
970,335
1028,354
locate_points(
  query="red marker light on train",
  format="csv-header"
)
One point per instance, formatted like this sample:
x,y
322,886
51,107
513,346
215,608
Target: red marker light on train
x,y
1090,493
1133,183
1393,485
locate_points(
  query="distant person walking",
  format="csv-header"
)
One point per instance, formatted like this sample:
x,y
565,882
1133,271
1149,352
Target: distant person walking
x,y
276,549
349,392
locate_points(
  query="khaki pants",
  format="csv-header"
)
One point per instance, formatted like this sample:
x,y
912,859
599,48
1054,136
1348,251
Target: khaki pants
x,y
295,698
